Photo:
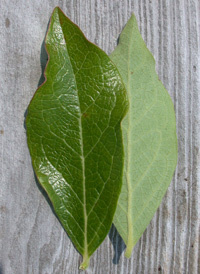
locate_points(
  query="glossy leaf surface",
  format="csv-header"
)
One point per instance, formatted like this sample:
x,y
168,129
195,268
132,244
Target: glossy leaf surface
x,y
74,134
149,133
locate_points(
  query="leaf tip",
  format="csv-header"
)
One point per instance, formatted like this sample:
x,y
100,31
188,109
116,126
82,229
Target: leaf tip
x,y
133,19
57,11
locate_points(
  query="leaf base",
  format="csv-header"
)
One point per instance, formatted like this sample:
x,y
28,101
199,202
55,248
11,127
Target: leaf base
x,y
85,263
129,250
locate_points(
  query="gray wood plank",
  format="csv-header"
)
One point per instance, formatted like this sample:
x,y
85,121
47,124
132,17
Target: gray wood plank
x,y
31,238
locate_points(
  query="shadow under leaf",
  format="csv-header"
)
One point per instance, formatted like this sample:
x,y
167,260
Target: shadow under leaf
x,y
1,269
43,58
118,244
43,62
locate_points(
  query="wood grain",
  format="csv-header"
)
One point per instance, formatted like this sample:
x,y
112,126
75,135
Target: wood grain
x,y
31,238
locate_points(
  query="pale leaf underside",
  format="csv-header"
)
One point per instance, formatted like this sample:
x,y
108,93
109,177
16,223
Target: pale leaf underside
x,y
149,133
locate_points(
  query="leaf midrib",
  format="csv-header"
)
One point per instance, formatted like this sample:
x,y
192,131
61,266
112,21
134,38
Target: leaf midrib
x,y
128,179
85,253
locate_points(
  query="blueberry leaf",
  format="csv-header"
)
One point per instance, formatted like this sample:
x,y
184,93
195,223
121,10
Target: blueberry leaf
x,y
74,134
149,134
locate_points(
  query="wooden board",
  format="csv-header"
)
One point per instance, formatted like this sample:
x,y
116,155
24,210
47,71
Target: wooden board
x,y
32,239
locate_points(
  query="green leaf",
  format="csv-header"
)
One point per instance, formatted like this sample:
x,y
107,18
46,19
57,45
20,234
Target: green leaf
x,y
74,134
149,133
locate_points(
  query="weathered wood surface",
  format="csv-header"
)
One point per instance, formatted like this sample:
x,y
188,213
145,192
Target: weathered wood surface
x,y
32,239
